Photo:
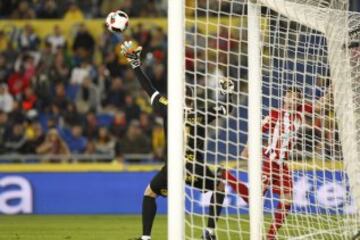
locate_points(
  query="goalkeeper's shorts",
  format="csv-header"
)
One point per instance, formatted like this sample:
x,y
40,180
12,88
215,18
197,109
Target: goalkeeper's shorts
x,y
198,175
158,183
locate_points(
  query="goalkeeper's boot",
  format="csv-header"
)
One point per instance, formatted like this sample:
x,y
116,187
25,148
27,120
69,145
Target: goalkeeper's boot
x,y
207,235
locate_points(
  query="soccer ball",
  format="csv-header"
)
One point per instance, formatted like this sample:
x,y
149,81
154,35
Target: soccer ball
x,y
117,21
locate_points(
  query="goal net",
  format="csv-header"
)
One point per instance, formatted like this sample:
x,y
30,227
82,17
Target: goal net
x,y
310,47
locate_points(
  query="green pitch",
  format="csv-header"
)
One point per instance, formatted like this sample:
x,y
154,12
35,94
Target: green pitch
x,y
68,227
121,227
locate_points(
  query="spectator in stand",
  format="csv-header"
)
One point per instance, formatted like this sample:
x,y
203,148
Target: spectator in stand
x,y
105,143
108,41
119,125
115,97
134,141
142,36
132,111
20,79
145,124
17,114
91,125
4,131
103,80
87,97
74,139
59,71
29,99
72,116
4,69
48,10
142,100
56,39
34,140
54,145
158,76
158,141
79,74
55,115
23,11
60,99
84,44
113,65
90,148
130,84
6,99
16,138
158,44
28,40
46,60
73,14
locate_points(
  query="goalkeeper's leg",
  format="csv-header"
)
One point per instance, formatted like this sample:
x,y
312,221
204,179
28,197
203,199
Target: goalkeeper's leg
x,y
157,187
201,177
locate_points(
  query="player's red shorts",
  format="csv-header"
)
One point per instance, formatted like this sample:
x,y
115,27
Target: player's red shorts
x,y
277,177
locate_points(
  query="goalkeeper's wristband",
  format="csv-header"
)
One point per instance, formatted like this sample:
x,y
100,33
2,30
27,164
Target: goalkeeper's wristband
x,y
135,63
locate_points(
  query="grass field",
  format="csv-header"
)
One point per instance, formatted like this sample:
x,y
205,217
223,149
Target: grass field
x,y
120,227
98,227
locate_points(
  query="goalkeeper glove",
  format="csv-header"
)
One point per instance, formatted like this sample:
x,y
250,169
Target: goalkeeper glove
x,y
226,86
131,53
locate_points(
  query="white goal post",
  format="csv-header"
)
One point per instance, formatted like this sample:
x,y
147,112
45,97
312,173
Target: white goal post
x,y
265,47
175,120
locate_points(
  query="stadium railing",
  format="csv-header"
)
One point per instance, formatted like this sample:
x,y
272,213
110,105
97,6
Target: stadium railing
x,y
73,158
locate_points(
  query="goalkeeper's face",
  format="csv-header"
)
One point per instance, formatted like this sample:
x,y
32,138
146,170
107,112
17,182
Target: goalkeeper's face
x,y
292,99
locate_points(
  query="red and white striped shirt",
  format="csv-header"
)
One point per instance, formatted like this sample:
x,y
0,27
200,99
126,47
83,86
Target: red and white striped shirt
x,y
282,127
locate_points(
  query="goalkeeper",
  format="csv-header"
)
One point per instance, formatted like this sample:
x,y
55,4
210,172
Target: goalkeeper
x,y
197,173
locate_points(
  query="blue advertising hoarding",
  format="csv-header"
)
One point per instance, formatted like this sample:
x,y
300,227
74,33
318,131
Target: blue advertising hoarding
x,y
121,193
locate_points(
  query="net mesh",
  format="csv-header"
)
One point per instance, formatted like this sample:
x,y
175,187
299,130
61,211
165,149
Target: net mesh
x,y
307,45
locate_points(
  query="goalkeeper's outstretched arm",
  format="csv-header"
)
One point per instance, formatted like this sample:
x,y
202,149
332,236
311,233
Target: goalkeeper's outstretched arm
x,y
133,56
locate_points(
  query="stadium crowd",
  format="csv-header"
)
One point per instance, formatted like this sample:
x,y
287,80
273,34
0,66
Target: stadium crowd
x,y
79,98
70,9
61,97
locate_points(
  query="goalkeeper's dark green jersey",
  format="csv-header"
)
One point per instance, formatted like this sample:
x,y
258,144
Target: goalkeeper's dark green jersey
x,y
196,119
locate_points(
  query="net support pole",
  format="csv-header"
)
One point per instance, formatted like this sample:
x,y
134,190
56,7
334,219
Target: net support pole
x,y
254,128
176,48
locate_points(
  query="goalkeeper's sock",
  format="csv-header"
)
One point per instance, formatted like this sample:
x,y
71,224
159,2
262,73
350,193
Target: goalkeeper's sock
x,y
280,216
148,215
216,203
237,186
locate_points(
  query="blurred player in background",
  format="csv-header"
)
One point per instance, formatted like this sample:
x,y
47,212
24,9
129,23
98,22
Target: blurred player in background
x,y
282,126
198,174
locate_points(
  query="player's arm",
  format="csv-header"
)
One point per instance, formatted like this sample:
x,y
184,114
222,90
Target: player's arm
x,y
265,127
227,90
133,56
